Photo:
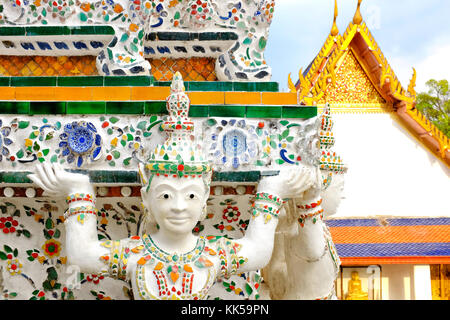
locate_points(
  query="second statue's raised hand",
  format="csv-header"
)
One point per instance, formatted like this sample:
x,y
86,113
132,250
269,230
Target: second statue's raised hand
x,y
290,183
57,182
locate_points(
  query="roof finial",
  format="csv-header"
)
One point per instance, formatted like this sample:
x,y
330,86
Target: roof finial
x,y
334,30
357,19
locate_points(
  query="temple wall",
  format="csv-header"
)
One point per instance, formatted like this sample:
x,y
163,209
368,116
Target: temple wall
x,y
397,282
390,172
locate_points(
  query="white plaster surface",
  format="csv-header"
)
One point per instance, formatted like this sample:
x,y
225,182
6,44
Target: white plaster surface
x,y
390,172
398,282
422,282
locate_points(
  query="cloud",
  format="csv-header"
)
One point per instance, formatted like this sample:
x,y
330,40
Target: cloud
x,y
434,63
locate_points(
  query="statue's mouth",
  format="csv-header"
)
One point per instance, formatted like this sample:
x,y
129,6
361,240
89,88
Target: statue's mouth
x,y
178,220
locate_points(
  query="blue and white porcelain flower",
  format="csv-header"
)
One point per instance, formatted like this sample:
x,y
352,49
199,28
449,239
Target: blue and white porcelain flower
x,y
232,143
4,140
80,141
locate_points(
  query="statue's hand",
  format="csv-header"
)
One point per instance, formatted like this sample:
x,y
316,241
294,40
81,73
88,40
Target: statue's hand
x,y
56,182
290,183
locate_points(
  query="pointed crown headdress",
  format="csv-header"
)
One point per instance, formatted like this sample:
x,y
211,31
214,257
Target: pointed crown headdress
x,y
178,156
328,158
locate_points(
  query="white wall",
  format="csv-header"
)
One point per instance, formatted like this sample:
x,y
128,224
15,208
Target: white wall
x,y
422,282
390,171
397,282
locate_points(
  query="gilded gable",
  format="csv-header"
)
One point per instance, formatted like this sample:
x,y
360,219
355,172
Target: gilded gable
x,y
352,85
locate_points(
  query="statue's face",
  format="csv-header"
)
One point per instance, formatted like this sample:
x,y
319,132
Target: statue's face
x,y
176,203
333,195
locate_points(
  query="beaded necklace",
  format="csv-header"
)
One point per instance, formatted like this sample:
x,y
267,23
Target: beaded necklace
x,y
172,265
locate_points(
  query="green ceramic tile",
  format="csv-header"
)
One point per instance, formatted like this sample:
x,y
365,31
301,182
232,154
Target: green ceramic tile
x,y
246,176
33,81
263,112
132,177
172,36
125,107
102,176
227,111
47,30
90,107
83,81
117,81
227,36
84,30
199,111
47,108
299,112
15,177
5,82
97,176
194,36
162,83
256,86
244,86
267,86
208,86
155,107
207,36
12,31
8,107
105,30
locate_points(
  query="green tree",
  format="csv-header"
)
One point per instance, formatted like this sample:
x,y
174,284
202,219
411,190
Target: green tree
x,y
435,104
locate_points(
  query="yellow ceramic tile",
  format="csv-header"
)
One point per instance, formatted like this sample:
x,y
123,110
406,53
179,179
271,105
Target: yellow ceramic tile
x,y
243,98
7,93
202,98
111,93
35,93
149,93
73,94
279,98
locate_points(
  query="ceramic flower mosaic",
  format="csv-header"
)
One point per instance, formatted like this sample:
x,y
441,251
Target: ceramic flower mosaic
x,y
79,141
232,142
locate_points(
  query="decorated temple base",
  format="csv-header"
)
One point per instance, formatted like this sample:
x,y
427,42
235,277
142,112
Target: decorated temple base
x,y
94,100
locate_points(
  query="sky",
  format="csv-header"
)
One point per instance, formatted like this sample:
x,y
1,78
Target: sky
x,y
410,33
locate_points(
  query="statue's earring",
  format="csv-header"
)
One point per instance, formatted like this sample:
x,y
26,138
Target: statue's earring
x,y
327,181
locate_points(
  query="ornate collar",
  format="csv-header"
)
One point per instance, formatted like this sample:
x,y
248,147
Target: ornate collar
x,y
173,258
174,266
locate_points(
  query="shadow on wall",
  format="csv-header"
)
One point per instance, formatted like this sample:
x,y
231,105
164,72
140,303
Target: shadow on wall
x,y
432,158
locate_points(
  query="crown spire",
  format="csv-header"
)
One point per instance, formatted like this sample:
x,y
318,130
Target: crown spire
x,y
179,155
334,30
357,19
329,160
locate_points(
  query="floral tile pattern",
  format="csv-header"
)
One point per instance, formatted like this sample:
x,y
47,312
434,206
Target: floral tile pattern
x,y
36,268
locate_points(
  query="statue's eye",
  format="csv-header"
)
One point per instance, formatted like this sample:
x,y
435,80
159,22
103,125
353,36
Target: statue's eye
x,y
166,196
191,196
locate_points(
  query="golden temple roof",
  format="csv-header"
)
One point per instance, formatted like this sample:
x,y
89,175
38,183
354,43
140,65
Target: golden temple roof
x,y
357,41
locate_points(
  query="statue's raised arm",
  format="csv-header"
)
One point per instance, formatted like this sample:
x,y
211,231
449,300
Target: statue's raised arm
x,y
272,194
82,245
306,265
